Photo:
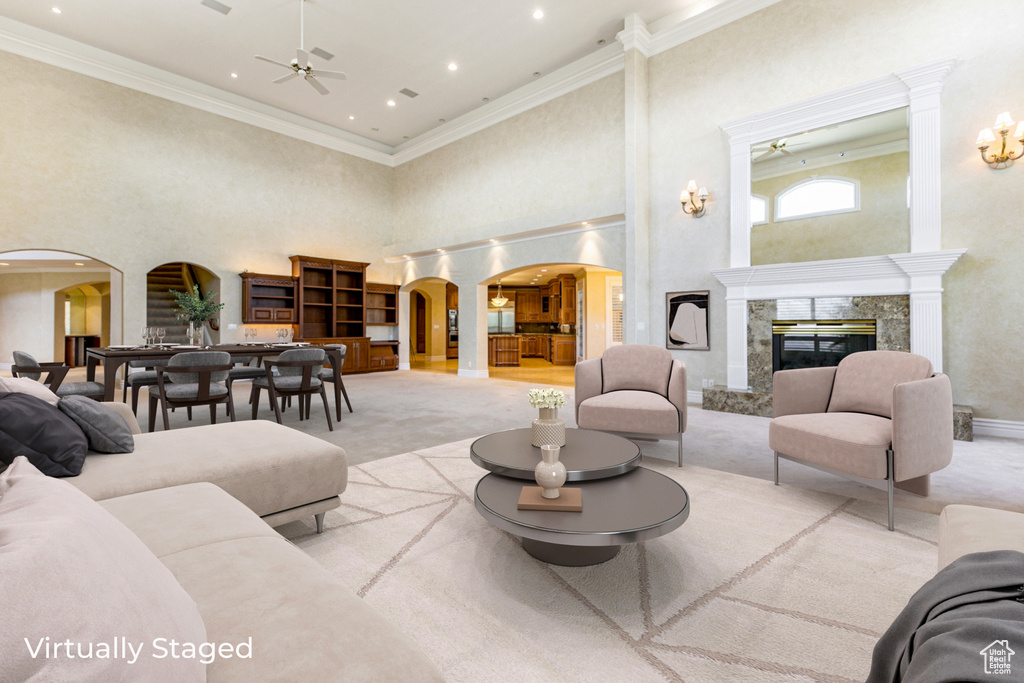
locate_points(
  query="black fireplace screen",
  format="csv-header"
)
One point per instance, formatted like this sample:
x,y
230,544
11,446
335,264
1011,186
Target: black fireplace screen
x,y
818,343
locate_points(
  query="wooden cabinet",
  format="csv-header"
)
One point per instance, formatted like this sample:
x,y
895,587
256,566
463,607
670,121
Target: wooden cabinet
x,y
503,350
381,304
565,313
331,297
357,352
563,350
383,355
267,299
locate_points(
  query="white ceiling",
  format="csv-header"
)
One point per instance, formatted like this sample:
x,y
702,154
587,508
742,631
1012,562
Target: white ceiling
x,y
538,275
39,261
383,46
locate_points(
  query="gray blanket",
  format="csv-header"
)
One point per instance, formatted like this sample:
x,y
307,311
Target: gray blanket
x,y
965,624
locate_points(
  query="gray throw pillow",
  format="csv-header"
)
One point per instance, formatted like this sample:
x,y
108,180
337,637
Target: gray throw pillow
x,y
106,430
50,439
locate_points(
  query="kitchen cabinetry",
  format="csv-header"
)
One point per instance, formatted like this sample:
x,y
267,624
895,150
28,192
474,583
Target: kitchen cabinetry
x,y
267,299
503,350
563,350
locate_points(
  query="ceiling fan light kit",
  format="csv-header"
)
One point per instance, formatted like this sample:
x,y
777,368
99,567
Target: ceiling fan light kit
x,y
301,66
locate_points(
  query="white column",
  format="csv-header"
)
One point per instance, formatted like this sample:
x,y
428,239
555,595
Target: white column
x,y
403,330
736,340
635,40
739,202
472,330
926,322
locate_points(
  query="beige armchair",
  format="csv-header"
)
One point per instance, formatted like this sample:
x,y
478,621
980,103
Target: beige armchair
x,y
880,416
636,391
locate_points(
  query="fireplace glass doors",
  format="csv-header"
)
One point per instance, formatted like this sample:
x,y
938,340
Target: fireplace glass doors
x,y
818,343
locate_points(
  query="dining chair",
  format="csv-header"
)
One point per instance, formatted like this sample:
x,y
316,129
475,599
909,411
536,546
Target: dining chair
x,y
145,377
25,365
297,373
332,374
243,370
192,379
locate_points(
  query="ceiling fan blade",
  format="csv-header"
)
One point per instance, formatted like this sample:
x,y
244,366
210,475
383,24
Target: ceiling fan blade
x,y
785,151
318,85
302,56
273,61
766,154
781,142
287,78
331,74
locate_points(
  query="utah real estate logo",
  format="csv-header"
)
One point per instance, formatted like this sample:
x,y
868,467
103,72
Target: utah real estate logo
x,y
997,657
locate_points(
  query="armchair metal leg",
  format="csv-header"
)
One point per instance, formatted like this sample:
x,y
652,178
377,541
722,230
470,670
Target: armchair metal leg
x,y
680,450
892,483
319,517
776,467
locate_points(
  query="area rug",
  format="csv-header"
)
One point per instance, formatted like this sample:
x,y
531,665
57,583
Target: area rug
x,y
762,582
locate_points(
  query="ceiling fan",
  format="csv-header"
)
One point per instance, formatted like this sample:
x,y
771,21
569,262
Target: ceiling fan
x,y
773,147
301,66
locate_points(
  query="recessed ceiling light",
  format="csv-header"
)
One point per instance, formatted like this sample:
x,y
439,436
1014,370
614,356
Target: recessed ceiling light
x,y
494,241
453,67
351,118
601,42
441,120
405,256
375,129
391,103
543,270
586,223
538,14
79,264
405,137
234,75
536,74
217,6
55,10
5,264
487,99
440,251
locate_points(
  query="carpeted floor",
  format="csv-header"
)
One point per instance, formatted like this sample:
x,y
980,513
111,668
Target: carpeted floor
x,y
762,583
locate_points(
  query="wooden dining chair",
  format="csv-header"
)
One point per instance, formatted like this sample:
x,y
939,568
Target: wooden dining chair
x,y
145,377
25,365
192,379
335,357
298,374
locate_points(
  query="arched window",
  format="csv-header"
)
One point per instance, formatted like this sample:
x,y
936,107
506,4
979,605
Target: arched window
x,y
758,209
817,196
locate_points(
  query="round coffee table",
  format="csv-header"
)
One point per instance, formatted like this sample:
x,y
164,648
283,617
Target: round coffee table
x,y
587,454
636,506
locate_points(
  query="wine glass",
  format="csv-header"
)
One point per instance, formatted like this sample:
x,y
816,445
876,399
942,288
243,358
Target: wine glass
x,y
160,333
145,335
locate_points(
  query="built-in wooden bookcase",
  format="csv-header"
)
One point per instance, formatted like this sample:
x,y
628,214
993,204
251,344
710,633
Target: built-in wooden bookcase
x,y
381,304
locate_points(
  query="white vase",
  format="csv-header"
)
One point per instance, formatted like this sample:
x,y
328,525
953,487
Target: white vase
x,y
549,472
548,429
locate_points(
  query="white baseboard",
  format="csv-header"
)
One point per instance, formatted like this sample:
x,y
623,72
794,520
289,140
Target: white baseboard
x,y
695,397
1006,429
473,374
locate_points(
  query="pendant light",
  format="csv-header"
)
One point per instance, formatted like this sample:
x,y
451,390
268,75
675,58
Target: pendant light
x,y
499,301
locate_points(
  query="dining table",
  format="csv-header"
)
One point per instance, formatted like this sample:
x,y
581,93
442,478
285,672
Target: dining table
x,y
113,357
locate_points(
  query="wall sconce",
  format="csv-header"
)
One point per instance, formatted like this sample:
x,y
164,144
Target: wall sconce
x,y
1003,124
692,209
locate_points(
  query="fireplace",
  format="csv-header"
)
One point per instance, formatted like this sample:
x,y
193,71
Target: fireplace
x,y
818,343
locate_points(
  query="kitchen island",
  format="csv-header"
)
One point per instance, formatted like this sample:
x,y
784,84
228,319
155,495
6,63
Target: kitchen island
x,y
503,350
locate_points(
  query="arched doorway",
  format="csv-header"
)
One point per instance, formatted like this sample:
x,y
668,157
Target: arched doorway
x,y
433,328
36,288
161,308
555,315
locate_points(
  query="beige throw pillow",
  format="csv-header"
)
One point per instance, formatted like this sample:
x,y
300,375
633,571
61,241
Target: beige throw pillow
x,y
24,385
73,576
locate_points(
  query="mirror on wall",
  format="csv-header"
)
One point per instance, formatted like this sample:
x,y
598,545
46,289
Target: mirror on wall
x,y
840,191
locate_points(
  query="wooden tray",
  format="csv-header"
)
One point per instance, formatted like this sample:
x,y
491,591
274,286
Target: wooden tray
x,y
569,500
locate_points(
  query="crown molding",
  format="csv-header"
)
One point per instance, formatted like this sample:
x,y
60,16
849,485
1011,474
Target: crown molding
x,y
58,51
635,36
595,66
715,17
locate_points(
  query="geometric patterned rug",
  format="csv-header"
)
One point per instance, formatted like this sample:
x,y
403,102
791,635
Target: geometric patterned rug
x,y
761,583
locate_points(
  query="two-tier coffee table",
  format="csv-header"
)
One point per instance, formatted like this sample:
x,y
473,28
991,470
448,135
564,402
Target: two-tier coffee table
x,y
622,502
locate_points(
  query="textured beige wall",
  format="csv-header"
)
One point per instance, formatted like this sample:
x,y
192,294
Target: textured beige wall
x,y
136,181
563,154
801,48
882,226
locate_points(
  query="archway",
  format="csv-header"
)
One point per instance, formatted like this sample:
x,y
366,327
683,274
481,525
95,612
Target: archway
x,y
561,314
35,286
161,307
432,331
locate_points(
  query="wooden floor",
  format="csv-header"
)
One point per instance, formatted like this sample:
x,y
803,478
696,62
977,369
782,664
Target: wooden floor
x,y
532,370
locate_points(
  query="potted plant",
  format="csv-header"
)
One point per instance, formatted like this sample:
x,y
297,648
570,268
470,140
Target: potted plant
x,y
196,309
